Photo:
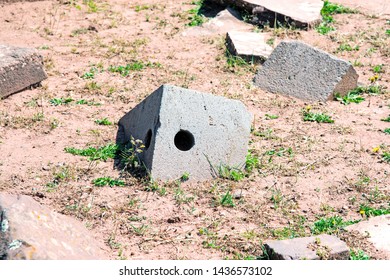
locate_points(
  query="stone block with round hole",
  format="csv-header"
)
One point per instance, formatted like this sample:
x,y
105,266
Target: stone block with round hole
x,y
185,131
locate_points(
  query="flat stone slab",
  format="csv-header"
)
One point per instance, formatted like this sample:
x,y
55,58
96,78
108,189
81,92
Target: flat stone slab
x,y
186,131
377,7
303,13
31,231
302,71
378,229
19,69
226,20
248,45
308,248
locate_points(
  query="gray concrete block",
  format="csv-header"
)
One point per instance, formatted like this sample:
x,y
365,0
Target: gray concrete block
x,y
378,229
250,46
29,230
308,248
299,70
19,69
187,131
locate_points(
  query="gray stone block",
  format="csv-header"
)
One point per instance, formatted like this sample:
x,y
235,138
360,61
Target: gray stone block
x,y
32,231
250,46
299,70
187,131
308,248
19,68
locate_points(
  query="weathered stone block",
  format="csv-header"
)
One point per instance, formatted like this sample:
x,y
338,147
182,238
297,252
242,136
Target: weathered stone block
x,y
299,70
187,131
31,231
250,46
19,68
308,248
378,229
301,13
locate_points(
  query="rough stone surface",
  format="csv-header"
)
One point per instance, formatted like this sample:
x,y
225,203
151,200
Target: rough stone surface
x,y
378,229
19,68
299,70
377,7
248,45
223,22
31,231
308,248
188,131
302,13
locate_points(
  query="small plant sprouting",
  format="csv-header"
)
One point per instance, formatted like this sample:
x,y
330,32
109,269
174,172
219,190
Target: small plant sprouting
x,y
316,117
107,181
91,74
387,130
386,119
231,173
185,177
135,66
103,121
378,68
60,101
359,255
386,157
130,156
227,200
271,117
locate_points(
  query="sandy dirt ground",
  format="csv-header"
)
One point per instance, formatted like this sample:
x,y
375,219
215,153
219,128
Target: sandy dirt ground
x,y
306,171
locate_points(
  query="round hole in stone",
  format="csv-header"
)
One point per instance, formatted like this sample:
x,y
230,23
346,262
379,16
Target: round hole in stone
x,y
148,139
184,140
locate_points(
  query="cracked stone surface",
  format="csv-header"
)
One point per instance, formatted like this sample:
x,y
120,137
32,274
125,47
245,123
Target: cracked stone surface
x,y
308,248
32,231
19,69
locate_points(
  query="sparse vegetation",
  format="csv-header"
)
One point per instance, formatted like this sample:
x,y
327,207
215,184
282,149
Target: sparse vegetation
x,y
309,116
330,225
103,121
100,153
327,11
107,181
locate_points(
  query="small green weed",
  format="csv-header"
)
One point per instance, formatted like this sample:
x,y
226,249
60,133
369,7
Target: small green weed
x,y
227,200
347,47
353,96
195,17
89,103
316,117
387,130
139,8
251,162
100,153
135,66
91,74
330,225
386,119
372,212
60,101
359,255
271,117
129,156
103,121
378,68
386,157
107,181
327,11
231,173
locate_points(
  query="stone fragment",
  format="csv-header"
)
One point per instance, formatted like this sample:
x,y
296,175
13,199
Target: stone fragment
x,y
223,22
299,70
250,46
185,131
308,248
301,13
31,231
378,229
19,69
